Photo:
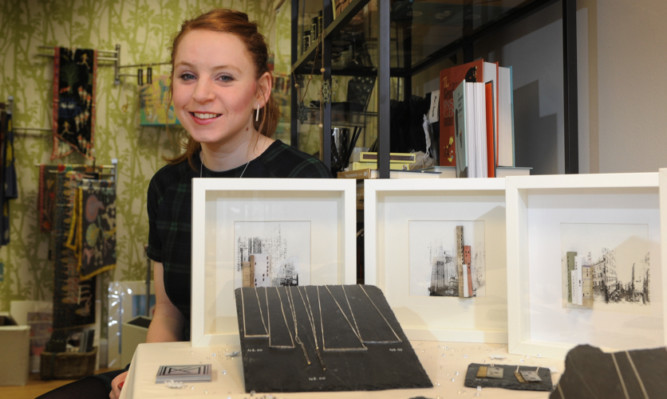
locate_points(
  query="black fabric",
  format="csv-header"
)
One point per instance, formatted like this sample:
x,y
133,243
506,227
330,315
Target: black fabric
x,y
591,373
92,387
170,211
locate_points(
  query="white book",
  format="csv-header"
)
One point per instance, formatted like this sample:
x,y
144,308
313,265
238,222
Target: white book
x,y
470,129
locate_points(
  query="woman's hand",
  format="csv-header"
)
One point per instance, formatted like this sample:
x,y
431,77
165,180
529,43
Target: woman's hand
x,y
116,385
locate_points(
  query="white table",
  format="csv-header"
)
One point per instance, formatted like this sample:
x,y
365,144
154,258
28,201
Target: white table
x,y
445,363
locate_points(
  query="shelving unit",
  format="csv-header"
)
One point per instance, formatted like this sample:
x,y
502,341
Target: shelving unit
x,y
405,38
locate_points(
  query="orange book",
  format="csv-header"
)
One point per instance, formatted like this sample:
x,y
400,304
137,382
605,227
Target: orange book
x,y
450,78
490,130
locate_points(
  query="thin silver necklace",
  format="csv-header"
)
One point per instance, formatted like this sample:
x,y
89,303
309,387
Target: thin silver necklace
x,y
201,167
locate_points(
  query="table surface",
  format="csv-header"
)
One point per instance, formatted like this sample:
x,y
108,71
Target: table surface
x,y
445,363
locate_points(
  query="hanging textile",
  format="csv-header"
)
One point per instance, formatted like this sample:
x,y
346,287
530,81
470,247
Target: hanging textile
x,y
73,298
93,230
73,102
46,195
8,189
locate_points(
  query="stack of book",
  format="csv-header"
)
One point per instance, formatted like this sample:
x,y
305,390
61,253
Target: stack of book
x,y
476,121
369,160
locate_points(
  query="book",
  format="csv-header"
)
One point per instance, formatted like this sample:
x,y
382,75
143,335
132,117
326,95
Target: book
x,y
394,157
450,78
504,171
470,125
184,373
505,132
394,174
490,113
374,165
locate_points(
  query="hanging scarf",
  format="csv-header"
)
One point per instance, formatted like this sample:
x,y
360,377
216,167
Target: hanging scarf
x,y
74,102
8,190
93,230
73,298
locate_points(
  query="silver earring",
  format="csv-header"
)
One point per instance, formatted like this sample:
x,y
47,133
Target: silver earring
x,y
257,114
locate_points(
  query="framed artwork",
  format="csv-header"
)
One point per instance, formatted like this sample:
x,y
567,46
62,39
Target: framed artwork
x,y
265,233
663,239
583,260
436,247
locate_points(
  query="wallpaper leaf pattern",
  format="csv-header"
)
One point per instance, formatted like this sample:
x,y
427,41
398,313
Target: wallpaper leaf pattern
x,y
144,29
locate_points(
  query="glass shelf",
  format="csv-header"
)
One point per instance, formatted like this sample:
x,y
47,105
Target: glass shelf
x,y
422,31
418,36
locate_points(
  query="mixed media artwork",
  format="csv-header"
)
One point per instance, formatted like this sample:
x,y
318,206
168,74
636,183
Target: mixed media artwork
x,y
605,264
447,258
155,107
275,253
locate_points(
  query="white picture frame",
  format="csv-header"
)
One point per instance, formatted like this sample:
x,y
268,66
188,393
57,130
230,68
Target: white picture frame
x,y
538,210
389,207
662,178
327,205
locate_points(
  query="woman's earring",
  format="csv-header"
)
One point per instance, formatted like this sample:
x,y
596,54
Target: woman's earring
x,y
257,114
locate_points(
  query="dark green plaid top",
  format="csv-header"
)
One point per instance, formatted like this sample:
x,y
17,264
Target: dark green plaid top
x,y
170,211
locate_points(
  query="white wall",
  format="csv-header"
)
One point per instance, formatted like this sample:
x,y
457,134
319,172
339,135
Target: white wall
x,y
631,84
622,54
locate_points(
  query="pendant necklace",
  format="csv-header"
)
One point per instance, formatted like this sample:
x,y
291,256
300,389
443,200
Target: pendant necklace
x,y
289,331
290,301
265,334
311,321
201,167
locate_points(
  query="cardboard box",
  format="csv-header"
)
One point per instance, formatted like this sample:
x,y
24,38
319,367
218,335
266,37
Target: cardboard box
x,y
14,352
133,333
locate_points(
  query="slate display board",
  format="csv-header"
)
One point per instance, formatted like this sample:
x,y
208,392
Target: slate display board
x,y
323,338
637,373
508,380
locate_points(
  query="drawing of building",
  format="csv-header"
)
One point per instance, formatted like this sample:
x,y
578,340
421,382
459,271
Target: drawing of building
x,y
444,276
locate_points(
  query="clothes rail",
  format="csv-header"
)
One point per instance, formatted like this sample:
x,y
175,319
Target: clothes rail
x,y
113,168
32,131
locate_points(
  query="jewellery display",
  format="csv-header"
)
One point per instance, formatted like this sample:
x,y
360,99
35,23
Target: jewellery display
x,y
339,334
272,337
331,323
311,321
515,377
290,299
247,325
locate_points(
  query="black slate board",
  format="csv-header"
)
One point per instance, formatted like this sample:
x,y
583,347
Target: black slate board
x,y
388,362
591,373
509,381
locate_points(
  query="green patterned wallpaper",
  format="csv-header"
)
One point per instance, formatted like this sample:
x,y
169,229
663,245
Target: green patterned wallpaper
x,y
144,30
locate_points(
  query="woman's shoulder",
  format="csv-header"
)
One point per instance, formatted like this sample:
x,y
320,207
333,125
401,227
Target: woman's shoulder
x,y
172,174
286,161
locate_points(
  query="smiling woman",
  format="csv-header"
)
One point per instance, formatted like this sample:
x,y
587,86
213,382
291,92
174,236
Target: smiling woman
x,y
221,88
216,94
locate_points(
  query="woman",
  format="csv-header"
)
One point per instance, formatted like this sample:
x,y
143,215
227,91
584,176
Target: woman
x,y
221,89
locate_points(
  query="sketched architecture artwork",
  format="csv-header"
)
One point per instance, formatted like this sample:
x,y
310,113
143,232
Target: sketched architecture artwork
x,y
272,253
605,264
447,258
